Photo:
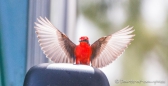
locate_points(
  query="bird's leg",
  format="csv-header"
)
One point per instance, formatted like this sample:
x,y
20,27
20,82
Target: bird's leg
x,y
88,62
77,61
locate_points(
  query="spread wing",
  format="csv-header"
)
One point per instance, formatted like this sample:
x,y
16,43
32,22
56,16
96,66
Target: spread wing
x,y
108,48
55,45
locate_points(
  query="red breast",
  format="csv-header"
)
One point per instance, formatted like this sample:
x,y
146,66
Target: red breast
x,y
83,53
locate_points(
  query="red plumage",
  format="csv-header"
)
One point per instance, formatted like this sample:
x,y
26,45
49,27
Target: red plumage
x,y
83,53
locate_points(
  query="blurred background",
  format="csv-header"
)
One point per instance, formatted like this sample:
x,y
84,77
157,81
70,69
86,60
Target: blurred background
x,y
144,63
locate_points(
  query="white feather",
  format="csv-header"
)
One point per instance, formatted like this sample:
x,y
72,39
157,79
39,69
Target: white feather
x,y
48,38
116,45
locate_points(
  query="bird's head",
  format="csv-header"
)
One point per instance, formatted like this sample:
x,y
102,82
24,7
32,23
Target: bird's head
x,y
84,39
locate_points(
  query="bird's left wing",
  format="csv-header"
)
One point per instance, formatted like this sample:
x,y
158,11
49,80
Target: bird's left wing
x,y
108,48
55,45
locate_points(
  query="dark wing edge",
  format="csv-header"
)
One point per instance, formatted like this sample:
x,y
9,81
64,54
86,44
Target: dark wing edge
x,y
54,44
106,49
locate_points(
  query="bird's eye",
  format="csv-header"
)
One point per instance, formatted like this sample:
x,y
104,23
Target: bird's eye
x,y
83,38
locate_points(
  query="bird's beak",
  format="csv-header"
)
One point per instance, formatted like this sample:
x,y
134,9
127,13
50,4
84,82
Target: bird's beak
x,y
84,41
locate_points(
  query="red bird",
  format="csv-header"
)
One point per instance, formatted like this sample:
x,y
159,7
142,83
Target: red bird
x,y
60,49
83,51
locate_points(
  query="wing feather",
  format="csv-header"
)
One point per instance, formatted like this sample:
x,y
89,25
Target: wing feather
x,y
106,49
55,45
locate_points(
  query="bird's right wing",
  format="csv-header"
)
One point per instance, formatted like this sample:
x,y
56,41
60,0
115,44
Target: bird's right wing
x,y
55,45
